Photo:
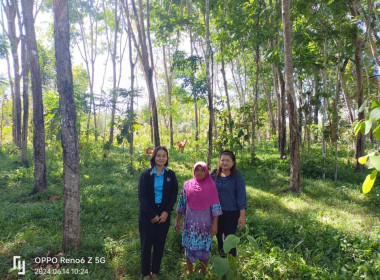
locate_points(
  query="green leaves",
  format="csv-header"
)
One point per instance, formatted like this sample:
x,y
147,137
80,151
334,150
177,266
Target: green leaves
x,y
374,115
365,127
359,127
369,181
362,107
374,162
253,242
227,267
376,131
230,242
220,265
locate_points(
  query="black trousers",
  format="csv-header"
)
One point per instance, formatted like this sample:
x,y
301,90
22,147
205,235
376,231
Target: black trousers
x,y
152,236
227,224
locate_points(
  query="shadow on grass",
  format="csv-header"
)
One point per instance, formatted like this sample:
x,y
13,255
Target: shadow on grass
x,y
327,251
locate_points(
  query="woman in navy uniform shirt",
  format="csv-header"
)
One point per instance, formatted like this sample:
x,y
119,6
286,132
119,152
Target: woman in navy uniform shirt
x,y
158,188
232,196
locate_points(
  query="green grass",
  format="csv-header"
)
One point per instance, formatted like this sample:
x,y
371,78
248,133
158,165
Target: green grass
x,y
330,230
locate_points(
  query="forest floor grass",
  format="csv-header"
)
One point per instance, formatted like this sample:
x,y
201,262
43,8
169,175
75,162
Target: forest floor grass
x,y
329,230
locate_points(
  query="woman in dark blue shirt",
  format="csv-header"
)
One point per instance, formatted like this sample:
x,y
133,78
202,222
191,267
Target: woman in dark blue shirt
x,y
232,195
158,188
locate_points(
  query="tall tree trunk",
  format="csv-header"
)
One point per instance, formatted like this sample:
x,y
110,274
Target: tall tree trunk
x,y
11,7
149,70
10,80
69,139
2,119
89,55
144,47
278,101
114,76
316,106
282,116
192,78
295,164
209,90
272,123
374,51
169,88
359,46
324,107
335,124
230,124
132,65
254,117
238,89
335,112
40,182
25,97
343,85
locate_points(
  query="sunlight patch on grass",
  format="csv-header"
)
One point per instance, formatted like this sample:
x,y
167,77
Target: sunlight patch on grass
x,y
295,204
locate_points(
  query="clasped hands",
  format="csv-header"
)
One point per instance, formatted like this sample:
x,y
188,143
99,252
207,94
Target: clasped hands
x,y
160,219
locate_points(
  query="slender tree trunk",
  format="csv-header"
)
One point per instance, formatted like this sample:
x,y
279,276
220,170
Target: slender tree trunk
x,y
324,108
25,97
282,117
370,32
295,164
227,95
69,139
272,123
359,46
132,67
150,71
209,90
169,88
341,81
238,89
2,119
196,133
316,106
347,102
335,123
254,118
89,55
114,84
11,8
278,101
40,182
144,48
10,80
372,7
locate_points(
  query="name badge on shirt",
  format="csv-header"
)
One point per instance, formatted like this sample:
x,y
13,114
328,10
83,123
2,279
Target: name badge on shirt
x,y
168,179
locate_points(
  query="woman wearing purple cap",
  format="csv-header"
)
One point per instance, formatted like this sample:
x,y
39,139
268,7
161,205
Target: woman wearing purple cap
x,y
200,203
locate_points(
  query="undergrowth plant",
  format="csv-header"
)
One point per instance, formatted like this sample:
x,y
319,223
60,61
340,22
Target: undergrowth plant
x,y
226,266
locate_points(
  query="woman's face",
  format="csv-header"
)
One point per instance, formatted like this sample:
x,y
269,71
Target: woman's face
x,y
226,162
199,172
161,158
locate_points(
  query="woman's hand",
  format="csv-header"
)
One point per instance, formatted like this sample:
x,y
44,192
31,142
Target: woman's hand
x,y
177,226
155,220
214,229
241,222
162,219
